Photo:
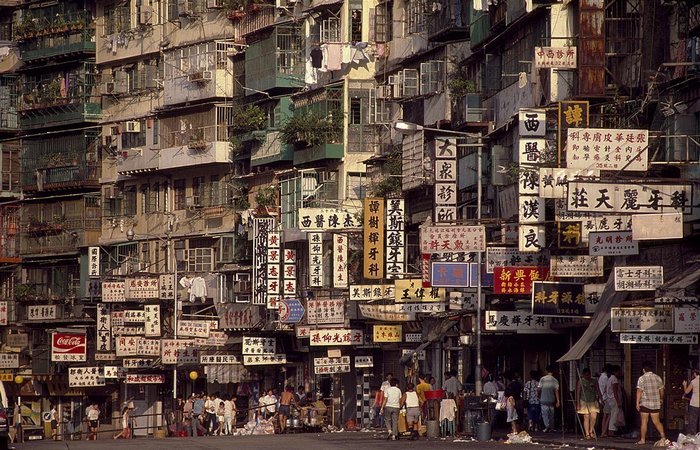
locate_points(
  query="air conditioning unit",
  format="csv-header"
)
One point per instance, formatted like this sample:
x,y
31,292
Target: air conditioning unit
x,y
207,75
191,204
473,110
133,126
146,17
199,76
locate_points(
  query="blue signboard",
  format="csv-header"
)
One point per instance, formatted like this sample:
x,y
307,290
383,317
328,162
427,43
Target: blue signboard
x,y
450,274
291,310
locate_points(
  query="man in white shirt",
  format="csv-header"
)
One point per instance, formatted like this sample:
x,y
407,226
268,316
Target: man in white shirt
x,y
602,387
451,384
386,383
268,404
390,409
229,419
614,395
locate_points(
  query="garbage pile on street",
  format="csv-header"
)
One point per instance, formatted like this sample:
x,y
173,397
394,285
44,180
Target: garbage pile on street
x,y
686,442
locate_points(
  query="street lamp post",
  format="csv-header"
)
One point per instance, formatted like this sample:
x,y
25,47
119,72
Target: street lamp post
x,y
171,265
409,128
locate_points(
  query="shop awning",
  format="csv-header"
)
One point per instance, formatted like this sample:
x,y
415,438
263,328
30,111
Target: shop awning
x,y
601,318
227,373
430,335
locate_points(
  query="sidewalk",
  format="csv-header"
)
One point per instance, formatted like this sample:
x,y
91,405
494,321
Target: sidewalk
x,y
578,441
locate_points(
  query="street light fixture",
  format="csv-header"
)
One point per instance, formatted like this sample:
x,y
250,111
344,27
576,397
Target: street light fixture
x,y
410,128
172,265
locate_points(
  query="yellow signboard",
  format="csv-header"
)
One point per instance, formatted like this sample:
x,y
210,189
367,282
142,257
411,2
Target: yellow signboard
x,y
412,291
387,333
7,377
374,238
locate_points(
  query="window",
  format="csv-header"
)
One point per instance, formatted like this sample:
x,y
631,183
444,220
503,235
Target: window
x,y
154,199
356,186
330,30
156,126
146,206
417,13
383,22
356,111
197,190
129,201
355,21
180,194
432,77
112,202
134,139
145,260
200,259
117,19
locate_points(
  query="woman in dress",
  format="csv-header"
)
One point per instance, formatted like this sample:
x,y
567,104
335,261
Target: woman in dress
x,y
126,431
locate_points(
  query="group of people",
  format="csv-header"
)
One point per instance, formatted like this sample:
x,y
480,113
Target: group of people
x,y
271,405
209,414
92,419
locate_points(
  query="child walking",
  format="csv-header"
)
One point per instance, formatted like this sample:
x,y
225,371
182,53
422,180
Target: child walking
x,y
512,412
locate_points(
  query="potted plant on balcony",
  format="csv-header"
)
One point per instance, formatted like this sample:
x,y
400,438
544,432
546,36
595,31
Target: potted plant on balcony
x,y
266,199
234,9
311,129
197,140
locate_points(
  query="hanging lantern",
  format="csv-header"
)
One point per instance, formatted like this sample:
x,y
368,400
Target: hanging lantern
x,y
194,375
19,379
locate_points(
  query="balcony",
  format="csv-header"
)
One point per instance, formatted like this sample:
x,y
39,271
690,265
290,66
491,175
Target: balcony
x,y
59,226
61,35
318,153
9,236
195,147
469,110
479,28
9,85
257,17
448,21
675,149
9,169
276,62
59,163
270,150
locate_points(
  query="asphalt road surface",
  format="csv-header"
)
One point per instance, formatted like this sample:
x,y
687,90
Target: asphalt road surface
x,y
305,441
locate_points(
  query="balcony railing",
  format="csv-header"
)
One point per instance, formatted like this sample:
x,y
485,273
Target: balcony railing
x,y
63,34
254,19
449,20
276,61
679,149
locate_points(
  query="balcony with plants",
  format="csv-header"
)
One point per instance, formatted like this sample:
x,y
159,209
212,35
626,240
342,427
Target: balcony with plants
x,y
59,226
44,34
256,128
275,61
249,16
65,162
57,98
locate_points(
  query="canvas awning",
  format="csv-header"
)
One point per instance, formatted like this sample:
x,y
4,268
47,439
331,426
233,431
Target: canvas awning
x,y
431,334
601,318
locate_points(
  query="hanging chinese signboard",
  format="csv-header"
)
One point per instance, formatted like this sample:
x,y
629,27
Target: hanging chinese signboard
x,y
9,360
399,312
450,239
516,321
652,338
289,267
412,290
86,376
612,243
593,293
264,360
325,219
449,274
607,149
323,366
531,238
219,359
104,328
68,347
139,363
532,122
215,339
638,278
261,228
113,291
143,378
531,209
553,181
167,286
335,336
570,114
569,235
657,226
555,57
179,351
259,345
445,175
94,262
274,256
193,328
686,319
340,261
517,280
386,333
325,311
141,288
576,266
41,312
599,197
147,347
510,256
315,259
373,238
558,299
364,361
3,313
641,319
152,320
369,292
395,239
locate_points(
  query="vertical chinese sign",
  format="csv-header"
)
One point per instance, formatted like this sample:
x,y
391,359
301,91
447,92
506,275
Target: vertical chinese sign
x,y
374,238
289,288
261,226
395,239
273,269
94,262
533,154
152,320
315,259
340,261
572,114
104,328
445,179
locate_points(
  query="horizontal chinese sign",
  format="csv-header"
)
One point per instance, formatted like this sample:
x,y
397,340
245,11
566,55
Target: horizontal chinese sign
x,y
138,363
9,360
448,239
657,226
325,311
516,321
645,338
386,333
641,319
336,336
113,291
632,198
576,266
607,149
179,351
612,243
674,300
264,360
517,280
638,278
555,57
319,219
367,292
399,312
331,365
86,376
259,345
364,361
554,180
413,337
142,288
219,359
215,339
193,328
686,319
449,274
420,356
412,290
144,378
41,312
558,299
512,257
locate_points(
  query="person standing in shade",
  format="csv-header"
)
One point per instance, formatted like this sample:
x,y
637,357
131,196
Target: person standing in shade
x,y
549,398
693,415
602,387
421,389
53,418
587,402
614,393
451,385
390,409
378,419
197,416
650,395
533,401
411,400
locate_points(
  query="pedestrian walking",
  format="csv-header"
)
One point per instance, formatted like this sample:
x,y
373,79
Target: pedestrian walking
x,y
412,402
390,409
198,416
53,418
532,399
650,395
210,406
386,384
220,414
549,398
451,384
378,419
613,391
587,398
126,430
693,415
93,421
511,410
229,414
602,387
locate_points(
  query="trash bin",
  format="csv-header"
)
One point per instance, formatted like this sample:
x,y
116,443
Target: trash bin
x,y
483,431
432,428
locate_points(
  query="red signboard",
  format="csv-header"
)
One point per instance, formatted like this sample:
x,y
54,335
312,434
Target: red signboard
x,y
517,280
68,347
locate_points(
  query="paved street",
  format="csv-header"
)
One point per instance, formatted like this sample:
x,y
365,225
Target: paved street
x,y
324,441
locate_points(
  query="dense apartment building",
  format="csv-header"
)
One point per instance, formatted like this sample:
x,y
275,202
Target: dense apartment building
x,y
157,156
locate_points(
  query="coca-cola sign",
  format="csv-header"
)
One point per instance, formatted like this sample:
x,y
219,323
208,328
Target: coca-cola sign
x,y
68,347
